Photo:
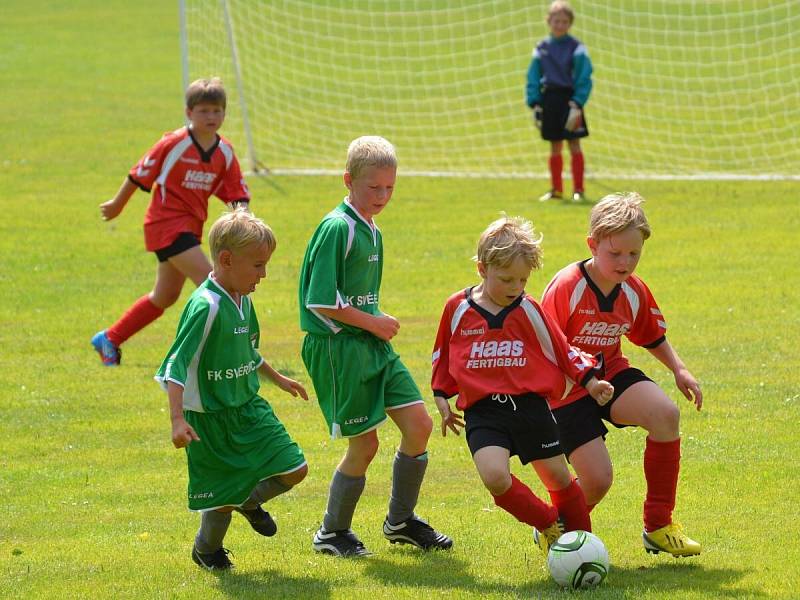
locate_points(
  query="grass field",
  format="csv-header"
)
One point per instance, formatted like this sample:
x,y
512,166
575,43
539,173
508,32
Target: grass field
x,y
93,492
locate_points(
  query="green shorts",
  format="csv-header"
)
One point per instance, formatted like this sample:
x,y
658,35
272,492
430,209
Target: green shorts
x,y
238,447
357,378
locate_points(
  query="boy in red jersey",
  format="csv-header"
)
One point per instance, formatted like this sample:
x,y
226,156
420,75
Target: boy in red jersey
x,y
596,302
183,169
504,358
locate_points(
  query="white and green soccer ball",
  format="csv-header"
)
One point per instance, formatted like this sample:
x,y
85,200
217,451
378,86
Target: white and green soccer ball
x,y
578,559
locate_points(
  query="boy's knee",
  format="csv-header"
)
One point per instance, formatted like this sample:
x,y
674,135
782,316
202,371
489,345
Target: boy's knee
x,y
295,477
497,481
596,486
666,420
368,448
425,426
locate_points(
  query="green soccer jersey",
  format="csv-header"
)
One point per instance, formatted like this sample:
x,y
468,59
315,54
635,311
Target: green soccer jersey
x,y
342,267
214,355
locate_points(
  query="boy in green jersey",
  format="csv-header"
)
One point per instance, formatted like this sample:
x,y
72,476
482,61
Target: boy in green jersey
x,y
358,377
239,454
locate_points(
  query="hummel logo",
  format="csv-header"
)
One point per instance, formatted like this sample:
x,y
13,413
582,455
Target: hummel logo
x,y
192,161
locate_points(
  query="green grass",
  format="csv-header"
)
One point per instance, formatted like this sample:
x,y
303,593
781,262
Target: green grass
x,y
94,494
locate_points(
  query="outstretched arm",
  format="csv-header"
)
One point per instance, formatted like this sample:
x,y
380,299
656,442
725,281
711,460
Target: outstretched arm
x,y
287,384
112,208
685,381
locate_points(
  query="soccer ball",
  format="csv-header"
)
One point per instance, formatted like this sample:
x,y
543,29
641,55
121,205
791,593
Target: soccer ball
x,y
578,559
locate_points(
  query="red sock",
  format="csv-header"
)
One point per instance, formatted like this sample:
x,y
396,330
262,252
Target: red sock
x,y
138,316
521,502
571,505
577,171
662,461
556,165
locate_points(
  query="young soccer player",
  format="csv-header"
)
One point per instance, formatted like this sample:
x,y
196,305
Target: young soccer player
x,y
596,302
238,452
559,84
183,169
502,355
358,377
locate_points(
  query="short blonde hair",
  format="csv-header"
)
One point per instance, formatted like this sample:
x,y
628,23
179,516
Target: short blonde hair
x,y
508,238
369,151
237,229
615,213
558,6
206,91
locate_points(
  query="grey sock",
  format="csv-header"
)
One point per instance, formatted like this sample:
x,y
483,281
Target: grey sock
x,y
213,527
266,489
342,499
407,475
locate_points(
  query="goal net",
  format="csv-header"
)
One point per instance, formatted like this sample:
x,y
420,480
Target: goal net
x,y
692,88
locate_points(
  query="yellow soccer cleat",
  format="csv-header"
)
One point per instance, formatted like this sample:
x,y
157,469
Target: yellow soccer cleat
x,y
547,537
670,539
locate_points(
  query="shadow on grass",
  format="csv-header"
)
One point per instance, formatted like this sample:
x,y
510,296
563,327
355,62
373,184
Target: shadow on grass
x,y
446,571
271,584
684,576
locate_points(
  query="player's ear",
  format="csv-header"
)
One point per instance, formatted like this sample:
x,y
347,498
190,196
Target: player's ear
x,y
225,258
348,180
592,243
188,113
481,269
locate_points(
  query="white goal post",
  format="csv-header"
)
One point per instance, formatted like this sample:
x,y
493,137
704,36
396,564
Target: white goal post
x,y
682,88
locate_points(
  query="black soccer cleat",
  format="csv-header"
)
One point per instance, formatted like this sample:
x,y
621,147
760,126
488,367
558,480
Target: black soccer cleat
x,y
339,543
217,560
416,532
260,520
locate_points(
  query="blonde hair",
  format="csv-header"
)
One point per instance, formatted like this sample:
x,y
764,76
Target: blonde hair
x,y
238,229
206,91
558,6
615,213
508,238
369,151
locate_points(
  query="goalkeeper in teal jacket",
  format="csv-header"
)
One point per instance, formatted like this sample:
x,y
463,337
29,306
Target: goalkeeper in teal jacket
x,y
559,84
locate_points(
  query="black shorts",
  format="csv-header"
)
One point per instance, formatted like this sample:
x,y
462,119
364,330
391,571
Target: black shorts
x,y
555,108
183,242
521,424
581,421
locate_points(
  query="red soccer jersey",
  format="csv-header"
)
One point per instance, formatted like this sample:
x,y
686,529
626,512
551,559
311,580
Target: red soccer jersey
x,y
595,323
517,351
185,176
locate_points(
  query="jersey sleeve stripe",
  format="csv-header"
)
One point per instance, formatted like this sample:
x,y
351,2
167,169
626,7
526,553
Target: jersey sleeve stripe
x,y
463,306
435,356
539,327
577,294
351,232
172,158
633,299
191,391
227,152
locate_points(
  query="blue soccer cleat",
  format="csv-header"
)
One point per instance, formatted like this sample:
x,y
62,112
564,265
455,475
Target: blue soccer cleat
x,y
110,354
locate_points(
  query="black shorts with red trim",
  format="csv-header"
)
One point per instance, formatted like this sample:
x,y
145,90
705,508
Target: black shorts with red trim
x,y
581,421
522,424
182,243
